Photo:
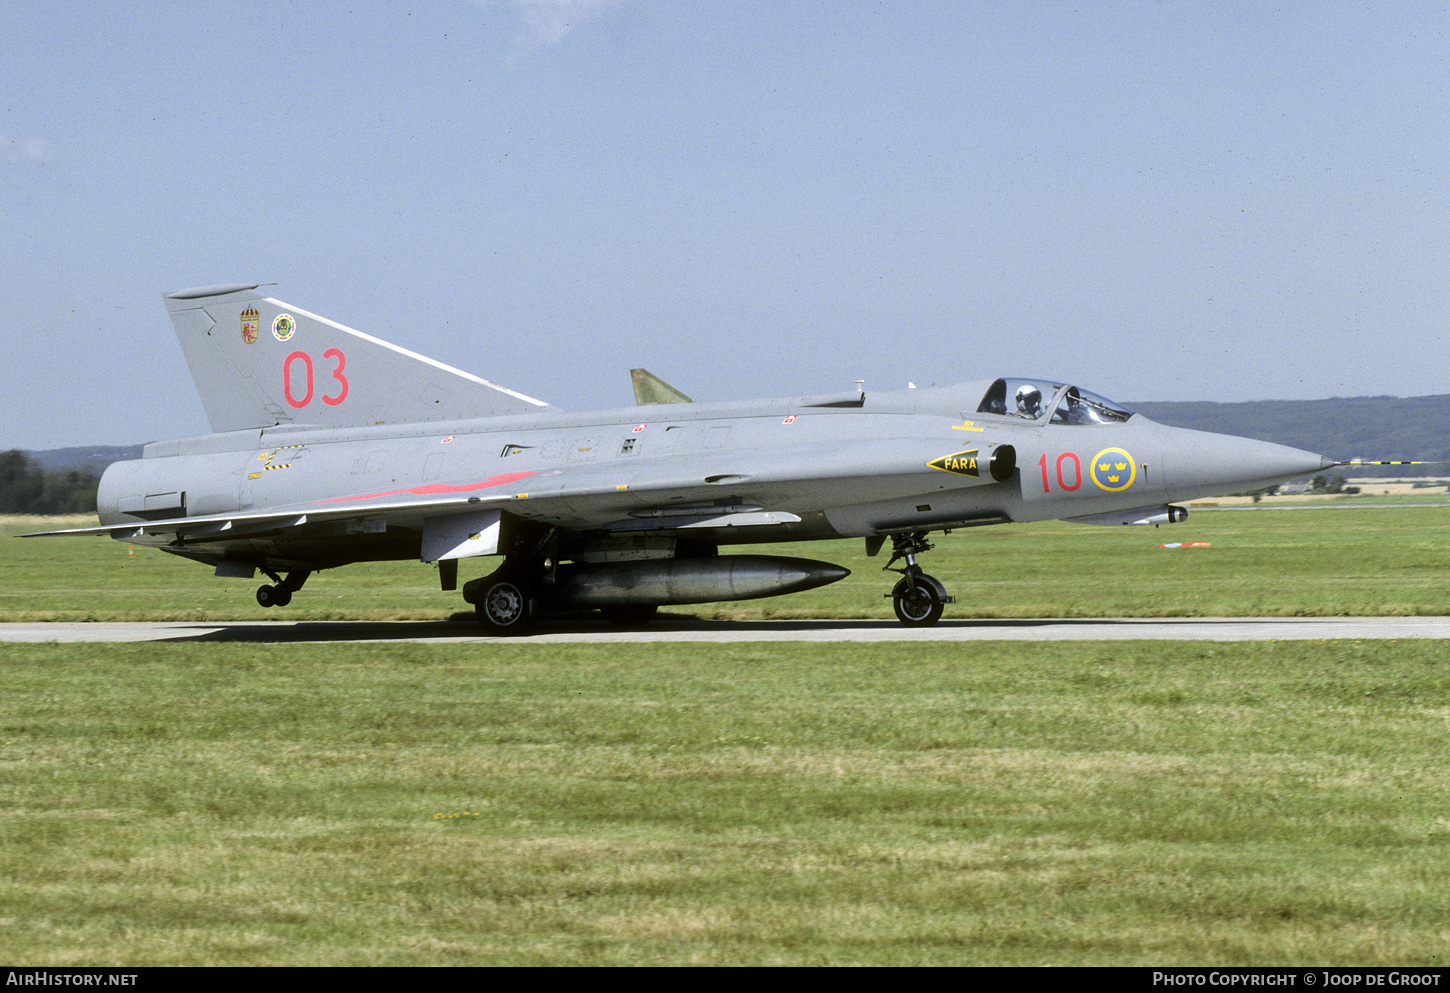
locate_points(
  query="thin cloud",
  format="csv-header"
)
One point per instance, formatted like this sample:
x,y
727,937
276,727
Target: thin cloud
x,y
548,22
27,151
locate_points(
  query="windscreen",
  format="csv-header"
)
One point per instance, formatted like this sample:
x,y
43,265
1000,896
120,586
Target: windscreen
x,y
1030,399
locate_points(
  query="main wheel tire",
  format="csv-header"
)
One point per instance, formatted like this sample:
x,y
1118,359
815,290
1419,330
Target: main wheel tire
x,y
274,596
629,617
505,607
919,600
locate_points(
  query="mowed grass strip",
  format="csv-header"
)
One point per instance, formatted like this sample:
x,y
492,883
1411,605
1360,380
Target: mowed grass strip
x,y
999,803
1311,562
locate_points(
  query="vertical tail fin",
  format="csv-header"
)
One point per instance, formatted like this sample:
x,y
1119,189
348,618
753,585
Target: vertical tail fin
x,y
259,362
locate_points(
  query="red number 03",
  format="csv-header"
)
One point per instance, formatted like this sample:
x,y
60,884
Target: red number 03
x,y
1062,483
332,400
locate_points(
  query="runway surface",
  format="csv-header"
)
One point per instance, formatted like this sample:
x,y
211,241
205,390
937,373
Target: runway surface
x,y
590,631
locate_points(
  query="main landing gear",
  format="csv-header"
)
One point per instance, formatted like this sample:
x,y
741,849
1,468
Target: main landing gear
x,y
504,605
918,598
504,601
507,602
281,594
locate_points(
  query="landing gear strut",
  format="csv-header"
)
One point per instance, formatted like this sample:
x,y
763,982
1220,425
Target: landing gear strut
x,y
281,594
918,598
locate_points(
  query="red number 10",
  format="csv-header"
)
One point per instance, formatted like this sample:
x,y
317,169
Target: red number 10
x,y
1061,482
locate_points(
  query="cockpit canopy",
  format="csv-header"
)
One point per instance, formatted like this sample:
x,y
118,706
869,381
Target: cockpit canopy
x,y
1031,399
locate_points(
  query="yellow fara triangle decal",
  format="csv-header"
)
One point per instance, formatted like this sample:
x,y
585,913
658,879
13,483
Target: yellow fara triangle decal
x,y
961,463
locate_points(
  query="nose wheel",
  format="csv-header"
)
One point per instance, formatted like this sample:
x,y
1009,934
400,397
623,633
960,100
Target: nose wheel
x,y
918,598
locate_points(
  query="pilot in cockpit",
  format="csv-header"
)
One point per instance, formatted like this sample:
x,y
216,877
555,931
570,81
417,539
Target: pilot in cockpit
x,y
1029,400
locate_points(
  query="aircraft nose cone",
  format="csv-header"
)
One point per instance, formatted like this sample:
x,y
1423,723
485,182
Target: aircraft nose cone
x,y
1203,464
1264,460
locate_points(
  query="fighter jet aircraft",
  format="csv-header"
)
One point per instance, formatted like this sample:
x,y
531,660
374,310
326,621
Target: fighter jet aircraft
x,y
333,446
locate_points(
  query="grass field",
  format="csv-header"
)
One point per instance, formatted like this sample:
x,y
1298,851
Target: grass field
x,y
1325,562
1124,803
988,803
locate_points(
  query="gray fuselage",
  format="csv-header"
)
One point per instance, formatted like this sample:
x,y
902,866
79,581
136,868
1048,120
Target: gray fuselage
x,y
710,473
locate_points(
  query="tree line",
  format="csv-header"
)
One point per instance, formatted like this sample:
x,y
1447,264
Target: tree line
x,y
26,488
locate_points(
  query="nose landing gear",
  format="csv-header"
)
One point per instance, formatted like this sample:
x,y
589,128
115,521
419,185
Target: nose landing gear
x,y
917,598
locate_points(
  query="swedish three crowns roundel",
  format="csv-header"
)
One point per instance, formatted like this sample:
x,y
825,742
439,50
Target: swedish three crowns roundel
x,y
1113,470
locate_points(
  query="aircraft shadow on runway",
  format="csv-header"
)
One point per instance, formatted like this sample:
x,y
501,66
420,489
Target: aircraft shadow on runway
x,y
468,630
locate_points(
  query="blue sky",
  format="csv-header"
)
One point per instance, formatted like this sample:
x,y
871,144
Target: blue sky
x,y
1158,201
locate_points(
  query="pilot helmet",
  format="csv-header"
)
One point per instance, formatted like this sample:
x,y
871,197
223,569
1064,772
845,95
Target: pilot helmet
x,y
1029,399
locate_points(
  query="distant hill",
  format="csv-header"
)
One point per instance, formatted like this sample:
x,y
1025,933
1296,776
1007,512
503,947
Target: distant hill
x,y
1377,428
93,459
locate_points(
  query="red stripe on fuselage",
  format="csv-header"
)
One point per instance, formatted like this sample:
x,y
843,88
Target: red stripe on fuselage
x,y
434,489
